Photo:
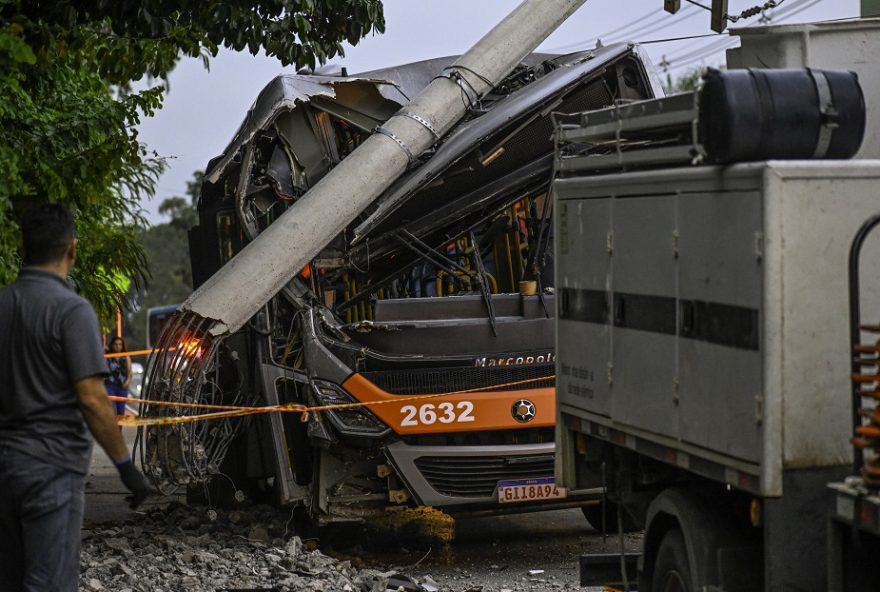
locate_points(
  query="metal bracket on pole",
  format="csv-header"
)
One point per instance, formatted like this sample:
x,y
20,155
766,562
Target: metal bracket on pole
x,y
467,90
672,6
425,123
399,142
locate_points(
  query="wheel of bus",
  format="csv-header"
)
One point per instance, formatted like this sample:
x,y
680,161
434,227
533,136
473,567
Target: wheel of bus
x,y
593,514
672,571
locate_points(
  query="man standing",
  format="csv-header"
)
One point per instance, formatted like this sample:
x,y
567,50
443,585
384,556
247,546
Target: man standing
x,y
52,394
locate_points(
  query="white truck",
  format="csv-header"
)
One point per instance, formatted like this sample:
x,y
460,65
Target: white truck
x,y
704,357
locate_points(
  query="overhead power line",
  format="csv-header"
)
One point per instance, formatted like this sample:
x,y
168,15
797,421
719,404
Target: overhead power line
x,y
793,9
651,23
653,15
685,38
745,14
686,58
657,20
653,28
705,50
728,44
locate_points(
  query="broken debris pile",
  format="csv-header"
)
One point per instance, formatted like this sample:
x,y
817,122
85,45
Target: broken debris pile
x,y
196,549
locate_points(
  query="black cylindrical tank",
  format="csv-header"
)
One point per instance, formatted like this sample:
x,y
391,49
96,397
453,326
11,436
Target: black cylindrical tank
x,y
780,114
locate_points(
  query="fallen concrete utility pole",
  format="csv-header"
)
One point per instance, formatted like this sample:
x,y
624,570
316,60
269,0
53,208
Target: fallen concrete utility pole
x,y
236,292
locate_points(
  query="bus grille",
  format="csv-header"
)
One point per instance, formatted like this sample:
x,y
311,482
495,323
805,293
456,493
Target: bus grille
x,y
477,476
429,381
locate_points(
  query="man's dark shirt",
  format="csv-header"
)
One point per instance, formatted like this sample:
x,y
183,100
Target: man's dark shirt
x,y
49,339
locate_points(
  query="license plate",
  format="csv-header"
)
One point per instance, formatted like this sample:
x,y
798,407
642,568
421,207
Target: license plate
x,y
529,490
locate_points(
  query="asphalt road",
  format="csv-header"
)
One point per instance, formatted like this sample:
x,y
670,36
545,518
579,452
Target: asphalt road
x,y
537,551
105,494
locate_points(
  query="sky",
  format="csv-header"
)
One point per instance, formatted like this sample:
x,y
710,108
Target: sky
x,y
203,108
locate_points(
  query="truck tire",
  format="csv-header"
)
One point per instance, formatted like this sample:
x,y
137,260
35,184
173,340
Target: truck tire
x,y
593,514
672,571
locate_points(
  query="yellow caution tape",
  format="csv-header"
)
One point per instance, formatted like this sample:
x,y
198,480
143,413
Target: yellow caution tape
x,y
131,354
226,411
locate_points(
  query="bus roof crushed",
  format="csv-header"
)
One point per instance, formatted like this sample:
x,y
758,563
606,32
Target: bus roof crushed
x,y
422,292
301,126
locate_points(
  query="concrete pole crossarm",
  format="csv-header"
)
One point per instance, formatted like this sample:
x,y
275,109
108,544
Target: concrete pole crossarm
x,y
239,289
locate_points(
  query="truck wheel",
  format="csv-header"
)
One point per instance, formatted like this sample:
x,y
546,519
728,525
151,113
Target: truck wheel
x,y
593,514
672,571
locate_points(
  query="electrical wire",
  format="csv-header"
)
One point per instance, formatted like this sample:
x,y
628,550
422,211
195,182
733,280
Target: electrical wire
x,y
695,3
592,41
632,29
781,13
678,52
701,51
648,30
794,11
686,58
729,45
619,30
685,38
628,30
747,13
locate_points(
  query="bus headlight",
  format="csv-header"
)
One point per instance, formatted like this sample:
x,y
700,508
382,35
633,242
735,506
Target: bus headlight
x,y
358,421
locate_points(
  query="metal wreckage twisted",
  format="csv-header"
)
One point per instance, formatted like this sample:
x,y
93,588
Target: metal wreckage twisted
x,y
462,210
185,372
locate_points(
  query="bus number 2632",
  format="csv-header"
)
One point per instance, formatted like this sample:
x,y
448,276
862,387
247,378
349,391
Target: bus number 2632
x,y
428,414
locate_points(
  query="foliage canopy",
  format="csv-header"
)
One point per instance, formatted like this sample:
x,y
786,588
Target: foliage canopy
x,y
167,251
67,118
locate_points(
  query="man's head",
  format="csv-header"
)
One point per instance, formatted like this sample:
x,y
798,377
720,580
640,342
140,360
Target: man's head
x,y
48,236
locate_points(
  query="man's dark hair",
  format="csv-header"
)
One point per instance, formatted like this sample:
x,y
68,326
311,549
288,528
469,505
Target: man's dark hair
x,y
46,230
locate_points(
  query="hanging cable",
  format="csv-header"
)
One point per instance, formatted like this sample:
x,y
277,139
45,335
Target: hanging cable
x,y
731,43
686,38
592,41
781,13
620,30
633,28
791,10
698,46
795,10
754,11
747,13
682,60
629,31
651,31
702,52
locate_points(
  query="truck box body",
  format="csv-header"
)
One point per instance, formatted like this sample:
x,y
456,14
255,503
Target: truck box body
x,y
702,314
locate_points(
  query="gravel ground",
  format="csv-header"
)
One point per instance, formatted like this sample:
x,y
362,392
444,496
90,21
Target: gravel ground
x,y
182,548
195,548
168,546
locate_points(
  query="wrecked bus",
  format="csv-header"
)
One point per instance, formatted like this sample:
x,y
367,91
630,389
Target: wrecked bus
x,y
443,287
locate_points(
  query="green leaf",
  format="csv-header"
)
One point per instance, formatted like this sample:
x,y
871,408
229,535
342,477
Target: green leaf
x,y
67,111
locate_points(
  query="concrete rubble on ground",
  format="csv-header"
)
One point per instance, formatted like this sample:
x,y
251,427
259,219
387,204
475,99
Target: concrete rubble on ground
x,y
194,549
264,549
